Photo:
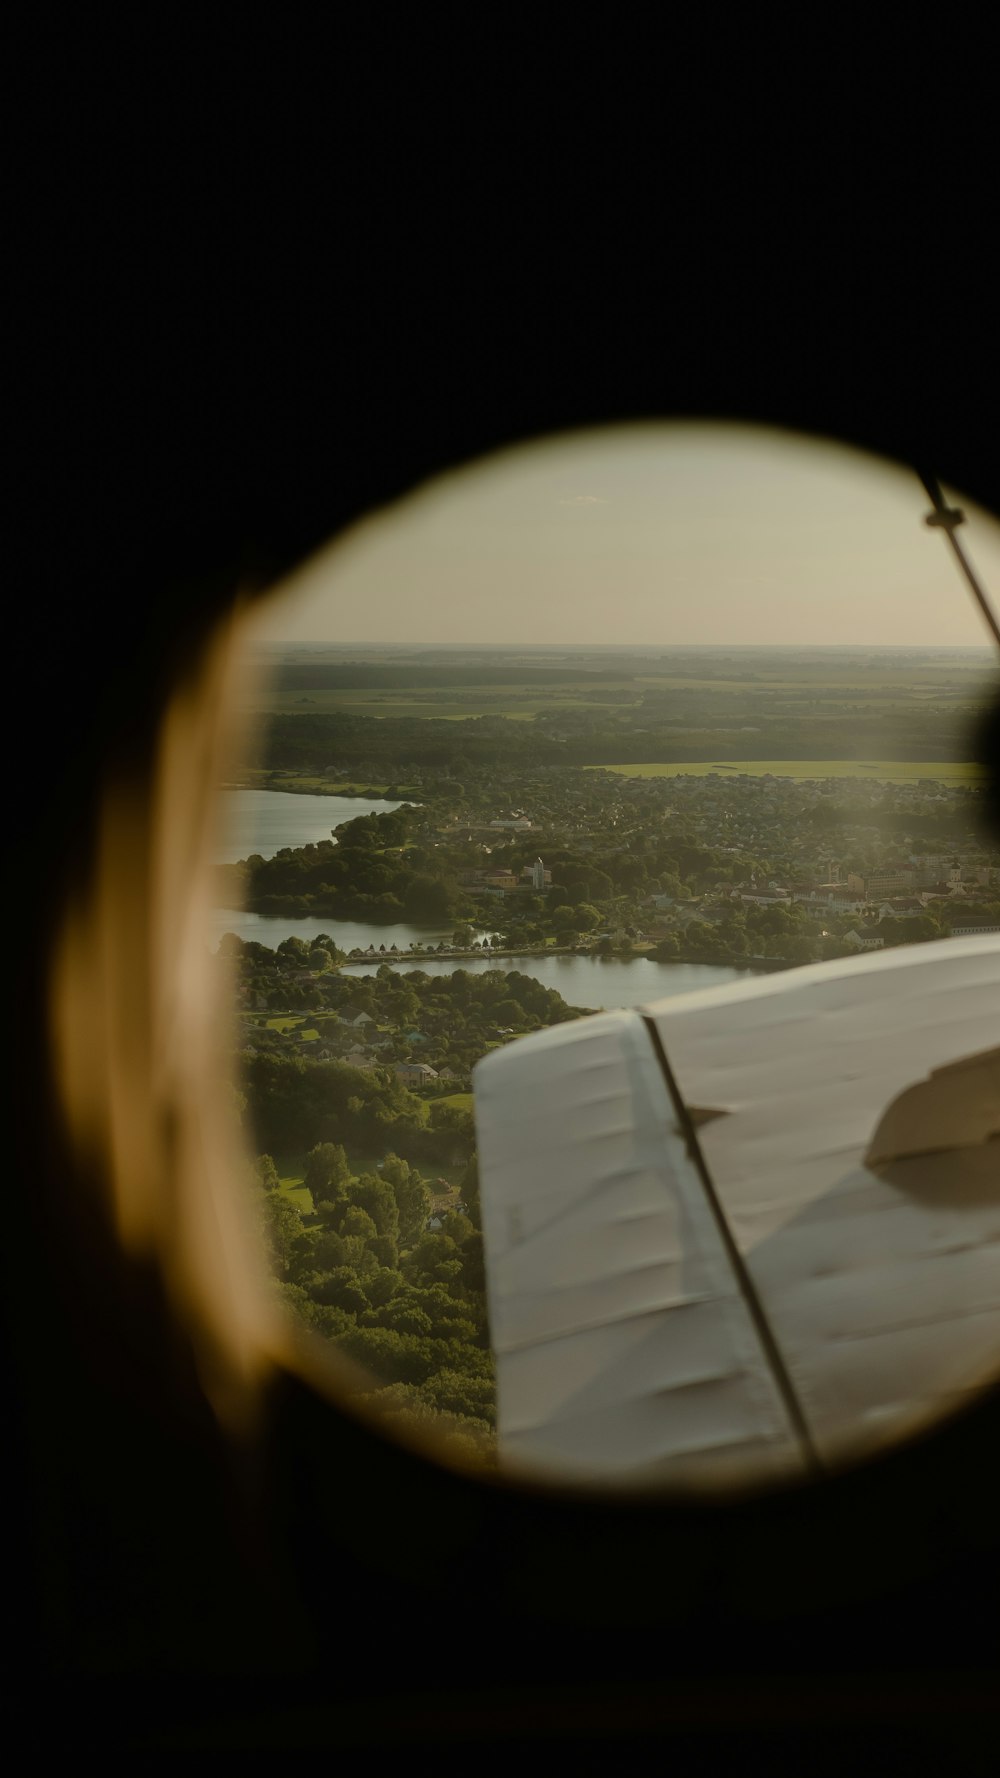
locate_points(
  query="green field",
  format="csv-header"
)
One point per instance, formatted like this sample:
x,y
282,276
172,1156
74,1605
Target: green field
x,y
292,1188
256,778
889,771
349,703
462,1100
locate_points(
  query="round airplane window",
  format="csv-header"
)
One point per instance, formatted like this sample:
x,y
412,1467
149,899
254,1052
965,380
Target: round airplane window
x,y
610,934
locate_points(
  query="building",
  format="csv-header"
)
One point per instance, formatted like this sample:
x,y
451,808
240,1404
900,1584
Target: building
x,y
414,1074
516,822
891,879
357,1059
496,882
867,939
838,897
901,906
536,875
763,897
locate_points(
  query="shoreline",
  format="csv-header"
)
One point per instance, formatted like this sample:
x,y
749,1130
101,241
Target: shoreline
x,y
764,965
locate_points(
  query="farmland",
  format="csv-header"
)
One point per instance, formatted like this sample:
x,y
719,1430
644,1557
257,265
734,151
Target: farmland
x,y
887,771
853,712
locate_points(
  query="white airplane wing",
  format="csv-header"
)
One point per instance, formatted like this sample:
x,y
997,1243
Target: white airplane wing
x,y
719,1243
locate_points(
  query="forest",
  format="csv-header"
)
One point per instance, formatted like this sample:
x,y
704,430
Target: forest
x,y
369,1252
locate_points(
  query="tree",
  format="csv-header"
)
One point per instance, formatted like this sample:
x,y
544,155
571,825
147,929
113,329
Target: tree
x,y
434,1260
367,1210
381,1284
327,1173
801,949
341,1288
583,918
278,1219
266,1173
404,1317
413,1199
507,1012
282,1228
470,1190
295,949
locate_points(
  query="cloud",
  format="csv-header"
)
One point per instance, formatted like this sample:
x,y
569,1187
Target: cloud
x,y
584,500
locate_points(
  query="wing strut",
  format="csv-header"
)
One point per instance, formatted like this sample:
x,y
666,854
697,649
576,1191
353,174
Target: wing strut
x,y
947,519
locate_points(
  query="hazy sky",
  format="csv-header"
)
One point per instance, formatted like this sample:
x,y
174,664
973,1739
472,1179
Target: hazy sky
x,y
657,534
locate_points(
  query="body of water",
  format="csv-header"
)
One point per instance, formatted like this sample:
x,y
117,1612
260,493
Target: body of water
x,y
264,821
268,929
594,982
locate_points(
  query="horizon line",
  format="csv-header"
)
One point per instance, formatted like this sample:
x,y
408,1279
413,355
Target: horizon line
x,y
660,647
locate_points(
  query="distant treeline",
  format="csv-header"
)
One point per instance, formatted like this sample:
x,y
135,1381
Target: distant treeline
x,y
392,745
360,676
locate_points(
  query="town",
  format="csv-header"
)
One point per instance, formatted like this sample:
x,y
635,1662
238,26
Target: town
x,y
692,868
355,1062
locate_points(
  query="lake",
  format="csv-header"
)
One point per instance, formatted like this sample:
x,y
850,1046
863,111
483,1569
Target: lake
x,y
270,930
594,982
265,820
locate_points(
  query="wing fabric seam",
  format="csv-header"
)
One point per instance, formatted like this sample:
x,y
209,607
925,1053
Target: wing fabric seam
x,y
762,1326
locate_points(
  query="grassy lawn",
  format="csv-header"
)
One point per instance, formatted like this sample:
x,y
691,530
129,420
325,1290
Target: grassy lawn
x,y
462,1100
290,1175
285,1022
445,1198
944,771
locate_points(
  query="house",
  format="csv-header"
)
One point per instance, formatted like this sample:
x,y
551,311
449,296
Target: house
x,y
868,939
357,1059
414,1074
354,1020
901,904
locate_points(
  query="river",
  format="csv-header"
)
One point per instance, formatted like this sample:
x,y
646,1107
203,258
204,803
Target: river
x,y
265,820
582,981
